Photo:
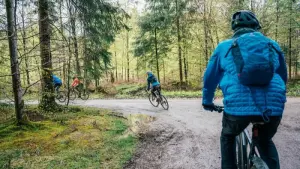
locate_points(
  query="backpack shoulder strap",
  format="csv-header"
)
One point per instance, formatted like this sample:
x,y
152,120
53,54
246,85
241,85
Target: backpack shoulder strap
x,y
232,45
271,53
237,56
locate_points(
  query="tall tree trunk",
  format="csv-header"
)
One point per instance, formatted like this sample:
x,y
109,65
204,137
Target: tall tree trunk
x,y
241,4
184,47
48,100
205,33
127,53
62,32
95,74
277,20
179,43
252,5
216,31
137,68
164,71
290,40
86,59
64,73
156,52
69,69
24,45
185,67
116,66
122,65
12,41
72,12
296,61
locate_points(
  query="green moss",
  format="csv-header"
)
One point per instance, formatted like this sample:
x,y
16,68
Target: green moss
x,y
75,138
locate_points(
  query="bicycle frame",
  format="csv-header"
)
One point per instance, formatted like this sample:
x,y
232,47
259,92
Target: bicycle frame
x,y
246,160
253,157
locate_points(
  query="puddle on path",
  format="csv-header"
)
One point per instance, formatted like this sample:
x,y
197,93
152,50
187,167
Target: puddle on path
x,y
139,122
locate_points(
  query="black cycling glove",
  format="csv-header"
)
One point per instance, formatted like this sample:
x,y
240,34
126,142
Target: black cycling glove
x,y
209,107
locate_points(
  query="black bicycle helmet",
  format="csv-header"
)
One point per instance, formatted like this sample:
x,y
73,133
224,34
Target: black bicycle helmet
x,y
244,18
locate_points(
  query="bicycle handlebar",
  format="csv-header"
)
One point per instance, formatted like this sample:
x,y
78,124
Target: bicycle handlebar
x,y
218,109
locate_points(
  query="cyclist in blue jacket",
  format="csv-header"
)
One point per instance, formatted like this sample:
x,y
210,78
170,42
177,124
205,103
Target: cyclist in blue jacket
x,y
56,82
152,81
244,104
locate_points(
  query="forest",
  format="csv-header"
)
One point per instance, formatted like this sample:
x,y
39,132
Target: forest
x,y
107,43
111,44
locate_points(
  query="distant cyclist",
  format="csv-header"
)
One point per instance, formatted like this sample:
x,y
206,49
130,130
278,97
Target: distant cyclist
x,y
251,71
76,84
56,82
153,83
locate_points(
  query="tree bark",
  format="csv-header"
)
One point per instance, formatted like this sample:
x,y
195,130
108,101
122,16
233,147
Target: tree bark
x,y
12,41
137,68
62,32
205,33
48,101
156,53
277,19
164,71
73,27
116,66
122,65
69,70
24,45
179,43
127,53
290,40
184,49
252,5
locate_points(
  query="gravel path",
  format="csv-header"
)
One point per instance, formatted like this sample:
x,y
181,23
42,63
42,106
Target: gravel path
x,y
187,137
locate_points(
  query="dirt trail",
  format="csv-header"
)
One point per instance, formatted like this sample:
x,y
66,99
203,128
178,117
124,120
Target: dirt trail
x,y
186,137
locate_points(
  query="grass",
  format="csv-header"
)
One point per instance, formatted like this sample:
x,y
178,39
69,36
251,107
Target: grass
x,y
76,138
137,91
132,91
293,89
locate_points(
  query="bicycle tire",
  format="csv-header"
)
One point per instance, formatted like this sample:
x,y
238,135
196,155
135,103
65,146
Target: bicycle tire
x,y
258,163
164,102
72,95
85,94
153,100
61,96
241,146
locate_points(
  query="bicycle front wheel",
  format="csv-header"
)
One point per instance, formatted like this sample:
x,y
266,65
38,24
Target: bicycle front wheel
x,y
153,100
61,96
72,95
258,163
241,151
164,102
85,94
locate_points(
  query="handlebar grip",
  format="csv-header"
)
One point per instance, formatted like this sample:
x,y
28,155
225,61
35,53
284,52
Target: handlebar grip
x,y
219,109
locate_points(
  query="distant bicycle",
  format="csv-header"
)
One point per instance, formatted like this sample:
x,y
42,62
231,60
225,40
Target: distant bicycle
x,y
157,98
61,96
84,94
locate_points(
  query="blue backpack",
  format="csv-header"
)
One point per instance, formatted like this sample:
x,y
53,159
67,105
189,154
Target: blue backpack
x,y
253,55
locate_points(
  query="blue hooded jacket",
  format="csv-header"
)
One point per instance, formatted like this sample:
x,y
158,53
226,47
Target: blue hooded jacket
x,y
56,80
152,80
238,99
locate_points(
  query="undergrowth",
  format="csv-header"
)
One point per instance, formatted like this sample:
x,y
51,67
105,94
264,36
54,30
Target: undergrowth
x,y
75,138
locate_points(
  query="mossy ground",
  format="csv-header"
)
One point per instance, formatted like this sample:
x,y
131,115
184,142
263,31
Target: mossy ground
x,y
75,138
